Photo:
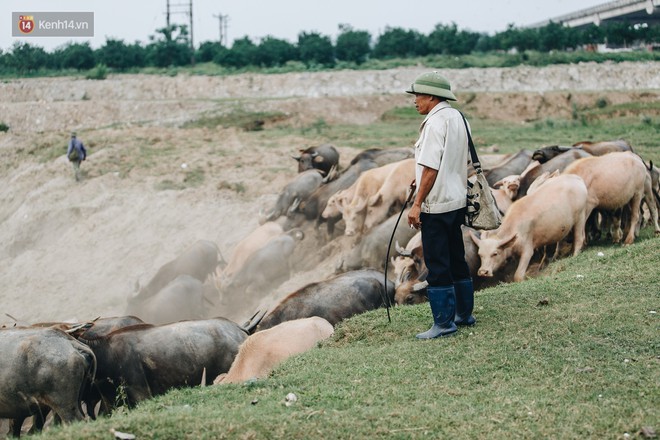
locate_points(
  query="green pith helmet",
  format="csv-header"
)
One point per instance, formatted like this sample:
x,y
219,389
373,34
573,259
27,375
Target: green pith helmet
x,y
432,83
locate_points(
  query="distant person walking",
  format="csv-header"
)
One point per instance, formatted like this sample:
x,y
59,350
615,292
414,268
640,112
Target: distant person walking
x,y
76,153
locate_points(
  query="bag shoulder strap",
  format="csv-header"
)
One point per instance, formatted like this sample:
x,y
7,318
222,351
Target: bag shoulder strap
x,y
473,152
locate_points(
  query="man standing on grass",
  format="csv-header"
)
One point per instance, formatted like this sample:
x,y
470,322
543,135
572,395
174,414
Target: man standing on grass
x,y
441,153
76,153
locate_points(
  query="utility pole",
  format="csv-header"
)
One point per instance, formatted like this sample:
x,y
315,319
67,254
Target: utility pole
x,y
192,46
183,9
222,25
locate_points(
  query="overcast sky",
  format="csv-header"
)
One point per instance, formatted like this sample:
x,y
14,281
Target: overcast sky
x,y
135,20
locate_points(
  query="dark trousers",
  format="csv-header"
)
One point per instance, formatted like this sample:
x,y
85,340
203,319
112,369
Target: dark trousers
x,y
444,252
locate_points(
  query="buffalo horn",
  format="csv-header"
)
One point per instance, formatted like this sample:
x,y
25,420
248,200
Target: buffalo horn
x,y
332,174
250,326
77,327
420,286
401,251
294,206
263,217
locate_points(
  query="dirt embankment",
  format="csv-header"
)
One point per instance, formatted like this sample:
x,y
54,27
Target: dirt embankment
x,y
75,251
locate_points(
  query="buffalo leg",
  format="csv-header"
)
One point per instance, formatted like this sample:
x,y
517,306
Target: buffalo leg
x,y
615,229
634,218
579,235
523,264
15,426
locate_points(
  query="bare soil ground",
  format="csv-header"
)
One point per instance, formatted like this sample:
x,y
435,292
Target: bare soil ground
x,y
73,251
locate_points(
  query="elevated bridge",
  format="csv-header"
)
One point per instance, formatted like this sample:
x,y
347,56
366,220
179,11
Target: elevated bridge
x,y
627,11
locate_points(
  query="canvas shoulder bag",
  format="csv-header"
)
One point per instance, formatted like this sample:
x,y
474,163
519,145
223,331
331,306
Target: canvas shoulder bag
x,y
482,211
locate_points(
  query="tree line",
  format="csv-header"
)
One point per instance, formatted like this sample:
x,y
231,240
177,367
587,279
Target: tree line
x,y
170,46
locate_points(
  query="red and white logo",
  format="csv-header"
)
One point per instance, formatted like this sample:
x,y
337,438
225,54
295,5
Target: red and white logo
x,y
25,23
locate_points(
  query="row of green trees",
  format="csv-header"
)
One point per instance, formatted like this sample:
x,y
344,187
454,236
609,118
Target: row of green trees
x,y
171,47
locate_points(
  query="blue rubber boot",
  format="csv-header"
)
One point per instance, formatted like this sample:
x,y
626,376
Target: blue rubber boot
x,y
443,308
464,302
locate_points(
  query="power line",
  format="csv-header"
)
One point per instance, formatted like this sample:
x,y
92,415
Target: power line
x,y
187,9
223,21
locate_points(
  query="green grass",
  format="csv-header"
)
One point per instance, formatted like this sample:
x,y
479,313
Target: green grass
x,y
238,117
582,363
641,134
99,72
399,128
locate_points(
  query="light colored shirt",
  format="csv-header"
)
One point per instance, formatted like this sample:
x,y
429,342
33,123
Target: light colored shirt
x,y
443,146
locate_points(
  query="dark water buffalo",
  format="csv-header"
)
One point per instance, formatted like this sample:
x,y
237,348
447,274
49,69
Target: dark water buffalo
x,y
559,162
313,207
335,299
516,164
149,360
264,270
384,156
198,261
371,251
593,148
104,326
183,298
42,369
99,328
296,191
324,158
542,155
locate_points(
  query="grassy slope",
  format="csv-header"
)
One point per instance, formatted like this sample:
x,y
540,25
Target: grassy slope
x,y
571,355
584,365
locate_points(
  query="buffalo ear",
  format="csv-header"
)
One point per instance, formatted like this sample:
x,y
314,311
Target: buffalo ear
x,y
340,203
359,205
219,379
375,200
474,237
507,242
318,159
297,159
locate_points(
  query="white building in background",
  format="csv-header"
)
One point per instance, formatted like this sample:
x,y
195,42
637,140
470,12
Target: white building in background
x,y
636,12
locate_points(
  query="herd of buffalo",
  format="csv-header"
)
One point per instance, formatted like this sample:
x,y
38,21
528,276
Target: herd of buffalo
x,y
172,334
